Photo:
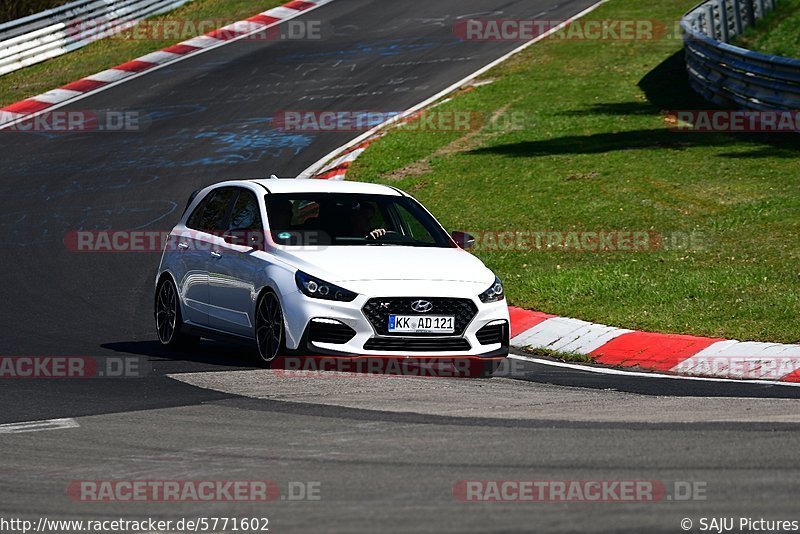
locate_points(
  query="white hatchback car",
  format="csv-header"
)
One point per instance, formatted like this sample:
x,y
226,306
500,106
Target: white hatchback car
x,y
326,267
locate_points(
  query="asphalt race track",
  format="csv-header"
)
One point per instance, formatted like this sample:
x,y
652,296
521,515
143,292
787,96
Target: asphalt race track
x,y
210,122
387,452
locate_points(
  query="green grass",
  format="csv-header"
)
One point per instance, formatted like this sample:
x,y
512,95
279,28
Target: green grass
x,y
596,154
107,53
777,33
16,9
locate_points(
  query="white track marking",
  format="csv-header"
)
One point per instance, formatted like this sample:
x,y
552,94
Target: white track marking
x,y
202,41
37,426
158,57
243,26
280,12
567,335
109,75
350,156
54,96
314,169
588,338
619,372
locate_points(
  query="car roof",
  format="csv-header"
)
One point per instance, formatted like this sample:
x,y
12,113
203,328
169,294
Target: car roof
x,y
275,185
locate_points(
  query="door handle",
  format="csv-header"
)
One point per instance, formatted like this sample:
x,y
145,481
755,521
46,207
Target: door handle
x,y
183,245
216,254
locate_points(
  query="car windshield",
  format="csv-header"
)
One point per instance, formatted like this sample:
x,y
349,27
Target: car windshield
x,y
341,219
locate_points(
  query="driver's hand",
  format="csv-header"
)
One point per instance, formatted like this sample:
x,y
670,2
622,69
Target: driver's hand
x,y
375,234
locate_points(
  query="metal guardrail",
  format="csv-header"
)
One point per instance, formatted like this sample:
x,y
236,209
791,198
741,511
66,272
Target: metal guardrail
x,y
731,76
53,32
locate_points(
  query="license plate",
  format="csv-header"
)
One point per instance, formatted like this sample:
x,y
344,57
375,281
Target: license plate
x,y
421,324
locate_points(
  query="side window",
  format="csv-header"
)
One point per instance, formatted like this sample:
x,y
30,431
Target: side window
x,y
246,214
209,216
193,221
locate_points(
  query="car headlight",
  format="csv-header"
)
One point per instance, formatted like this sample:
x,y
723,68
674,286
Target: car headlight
x,y
494,293
320,289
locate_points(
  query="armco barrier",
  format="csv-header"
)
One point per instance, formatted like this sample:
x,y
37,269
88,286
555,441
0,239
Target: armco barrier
x,y
63,29
731,76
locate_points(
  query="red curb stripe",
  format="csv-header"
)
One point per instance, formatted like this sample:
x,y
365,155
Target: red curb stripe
x,y
224,35
522,320
332,174
299,5
84,85
341,167
27,106
264,19
794,376
181,49
135,66
660,352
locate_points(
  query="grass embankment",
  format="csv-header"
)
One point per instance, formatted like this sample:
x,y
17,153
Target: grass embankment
x,y
16,9
777,33
596,154
200,15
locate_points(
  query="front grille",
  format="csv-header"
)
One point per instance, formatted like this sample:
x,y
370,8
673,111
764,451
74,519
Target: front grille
x,y
417,344
492,333
323,332
378,310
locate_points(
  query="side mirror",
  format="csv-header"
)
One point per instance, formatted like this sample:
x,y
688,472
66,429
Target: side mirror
x,y
463,239
245,238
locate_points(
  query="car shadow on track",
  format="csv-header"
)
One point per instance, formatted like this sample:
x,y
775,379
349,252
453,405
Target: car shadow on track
x,y
206,356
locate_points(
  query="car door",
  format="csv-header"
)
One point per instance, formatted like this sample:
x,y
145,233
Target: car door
x,y
233,270
195,247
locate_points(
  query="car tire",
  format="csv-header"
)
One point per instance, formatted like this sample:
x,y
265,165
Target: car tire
x,y
269,330
169,321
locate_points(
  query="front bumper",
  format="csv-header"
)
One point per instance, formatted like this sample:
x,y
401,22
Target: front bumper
x,y
300,310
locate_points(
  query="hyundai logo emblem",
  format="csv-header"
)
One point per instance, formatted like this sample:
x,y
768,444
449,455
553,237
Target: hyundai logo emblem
x,y
421,306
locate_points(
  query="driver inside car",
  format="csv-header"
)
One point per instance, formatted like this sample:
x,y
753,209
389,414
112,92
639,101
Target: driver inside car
x,y
361,221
